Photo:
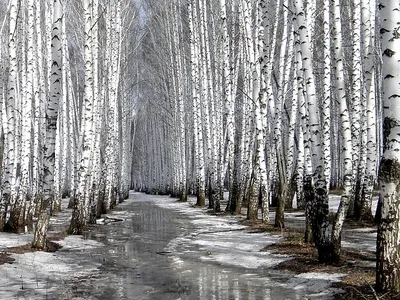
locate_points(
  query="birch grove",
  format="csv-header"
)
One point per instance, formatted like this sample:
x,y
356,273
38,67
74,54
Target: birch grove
x,y
288,134
55,118
248,105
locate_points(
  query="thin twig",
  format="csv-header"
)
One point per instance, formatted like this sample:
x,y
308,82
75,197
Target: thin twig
x,y
358,292
373,291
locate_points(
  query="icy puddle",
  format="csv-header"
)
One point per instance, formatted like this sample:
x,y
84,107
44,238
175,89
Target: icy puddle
x,y
152,247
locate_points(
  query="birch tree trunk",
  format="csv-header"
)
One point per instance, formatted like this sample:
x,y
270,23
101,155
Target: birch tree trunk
x,y
387,250
254,88
356,107
48,194
368,16
8,186
80,210
198,134
326,111
348,178
22,103
316,186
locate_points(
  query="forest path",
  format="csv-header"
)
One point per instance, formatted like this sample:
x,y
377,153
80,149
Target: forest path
x,y
165,249
162,250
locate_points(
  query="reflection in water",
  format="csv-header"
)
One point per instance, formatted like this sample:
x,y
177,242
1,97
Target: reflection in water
x,y
216,284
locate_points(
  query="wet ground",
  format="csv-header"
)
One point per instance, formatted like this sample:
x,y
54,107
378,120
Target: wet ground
x,y
152,247
154,254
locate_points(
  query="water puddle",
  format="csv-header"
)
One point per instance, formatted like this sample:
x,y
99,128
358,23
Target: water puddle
x,y
154,253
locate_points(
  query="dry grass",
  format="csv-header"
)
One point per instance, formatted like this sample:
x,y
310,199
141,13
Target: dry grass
x,y
357,284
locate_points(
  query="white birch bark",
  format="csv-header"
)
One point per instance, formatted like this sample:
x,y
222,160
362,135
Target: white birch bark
x,y
112,79
94,183
254,93
305,168
205,99
261,115
181,117
197,125
347,158
326,111
39,240
27,98
40,82
368,25
228,93
80,211
320,206
299,98
9,167
68,150
356,108
387,254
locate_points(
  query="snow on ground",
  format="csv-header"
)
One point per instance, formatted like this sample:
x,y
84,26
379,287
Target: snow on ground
x,y
334,201
223,239
8,240
36,275
225,242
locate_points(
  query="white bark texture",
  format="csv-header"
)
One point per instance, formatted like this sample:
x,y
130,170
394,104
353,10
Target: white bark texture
x,y
320,206
388,255
346,133
51,128
80,213
9,166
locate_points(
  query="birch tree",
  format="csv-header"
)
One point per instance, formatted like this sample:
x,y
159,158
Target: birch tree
x,y
80,213
387,251
363,211
197,125
348,178
315,186
48,195
8,186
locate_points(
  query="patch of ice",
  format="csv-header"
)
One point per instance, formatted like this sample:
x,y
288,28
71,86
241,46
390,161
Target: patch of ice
x,y
248,261
223,241
176,262
317,284
360,245
335,277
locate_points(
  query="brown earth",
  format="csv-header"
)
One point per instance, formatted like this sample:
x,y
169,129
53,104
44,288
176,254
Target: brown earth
x,y
360,279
